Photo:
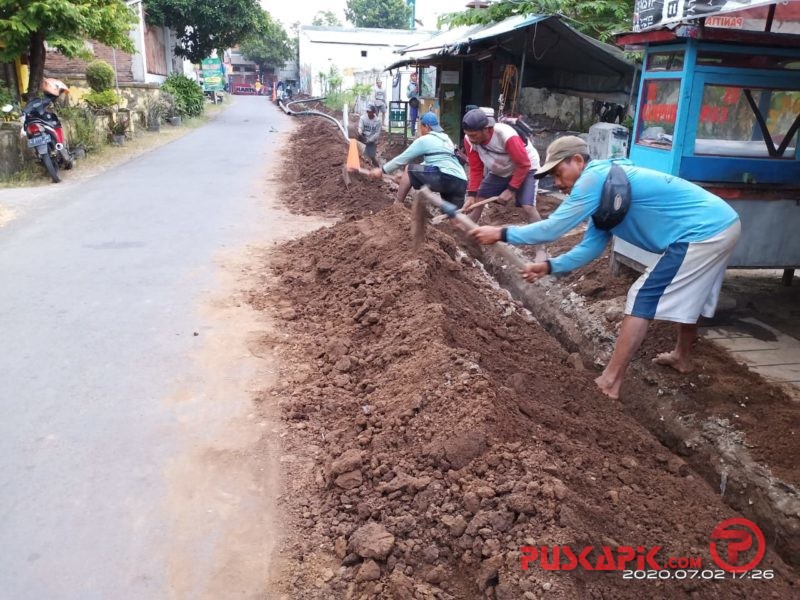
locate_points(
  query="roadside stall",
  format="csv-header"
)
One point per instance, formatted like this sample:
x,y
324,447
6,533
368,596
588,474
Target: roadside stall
x,y
719,105
477,64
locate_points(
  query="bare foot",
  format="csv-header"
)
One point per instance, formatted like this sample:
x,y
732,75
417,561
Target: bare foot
x,y
608,388
670,359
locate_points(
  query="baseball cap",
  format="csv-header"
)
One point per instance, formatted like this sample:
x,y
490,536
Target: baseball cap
x,y
560,149
429,119
476,119
371,107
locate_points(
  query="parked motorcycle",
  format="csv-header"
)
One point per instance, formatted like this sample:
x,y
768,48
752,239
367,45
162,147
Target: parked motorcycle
x,y
44,132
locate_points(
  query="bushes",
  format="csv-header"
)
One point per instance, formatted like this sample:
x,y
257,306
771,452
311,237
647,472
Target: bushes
x,y
81,128
100,76
188,95
102,100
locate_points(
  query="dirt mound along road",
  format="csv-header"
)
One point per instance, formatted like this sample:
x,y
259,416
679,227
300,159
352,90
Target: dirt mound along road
x,y
313,175
436,429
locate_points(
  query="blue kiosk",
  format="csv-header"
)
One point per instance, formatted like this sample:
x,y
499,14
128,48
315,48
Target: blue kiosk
x,y
721,107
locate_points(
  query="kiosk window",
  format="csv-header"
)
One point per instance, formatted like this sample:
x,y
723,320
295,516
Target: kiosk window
x,y
659,108
665,61
748,122
747,61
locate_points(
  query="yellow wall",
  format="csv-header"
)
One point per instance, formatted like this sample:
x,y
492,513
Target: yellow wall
x,y
22,76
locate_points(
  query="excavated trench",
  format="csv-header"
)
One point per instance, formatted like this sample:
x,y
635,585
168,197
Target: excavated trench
x,y
435,429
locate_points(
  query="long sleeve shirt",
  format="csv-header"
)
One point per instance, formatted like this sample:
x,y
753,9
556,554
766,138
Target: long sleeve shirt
x,y
664,210
437,150
505,154
369,128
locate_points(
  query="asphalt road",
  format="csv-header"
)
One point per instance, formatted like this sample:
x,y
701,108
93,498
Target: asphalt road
x,y
117,380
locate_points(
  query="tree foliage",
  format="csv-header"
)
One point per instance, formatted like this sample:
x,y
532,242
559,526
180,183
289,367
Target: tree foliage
x,y
25,26
203,26
269,45
326,18
597,18
383,14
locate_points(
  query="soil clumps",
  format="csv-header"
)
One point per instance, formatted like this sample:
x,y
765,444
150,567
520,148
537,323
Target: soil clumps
x,y
436,430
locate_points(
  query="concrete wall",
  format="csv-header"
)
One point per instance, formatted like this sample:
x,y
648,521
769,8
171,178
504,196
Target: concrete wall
x,y
10,149
133,94
554,111
321,48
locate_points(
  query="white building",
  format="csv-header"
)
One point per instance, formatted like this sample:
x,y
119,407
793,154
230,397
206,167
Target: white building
x,y
348,52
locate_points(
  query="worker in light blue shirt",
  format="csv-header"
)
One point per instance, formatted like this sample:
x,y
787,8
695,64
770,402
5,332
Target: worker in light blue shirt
x,y
693,230
440,170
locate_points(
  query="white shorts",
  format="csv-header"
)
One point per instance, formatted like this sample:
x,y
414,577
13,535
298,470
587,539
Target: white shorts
x,y
686,281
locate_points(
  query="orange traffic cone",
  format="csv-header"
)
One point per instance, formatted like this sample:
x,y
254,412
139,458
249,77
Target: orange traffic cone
x,y
353,163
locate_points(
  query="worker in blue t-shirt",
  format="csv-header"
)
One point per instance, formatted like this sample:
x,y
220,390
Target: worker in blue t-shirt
x,y
693,230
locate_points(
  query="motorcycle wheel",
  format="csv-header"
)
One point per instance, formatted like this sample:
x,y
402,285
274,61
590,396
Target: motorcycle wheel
x,y
66,159
51,167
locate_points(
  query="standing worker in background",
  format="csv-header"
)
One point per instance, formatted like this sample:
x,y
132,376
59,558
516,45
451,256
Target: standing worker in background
x,y
440,169
369,131
511,162
693,230
379,99
412,93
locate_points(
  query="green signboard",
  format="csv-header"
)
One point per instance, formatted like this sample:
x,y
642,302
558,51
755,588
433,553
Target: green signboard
x,y
213,75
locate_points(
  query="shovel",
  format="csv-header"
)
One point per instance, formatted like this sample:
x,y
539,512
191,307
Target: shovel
x,y
348,171
442,218
425,196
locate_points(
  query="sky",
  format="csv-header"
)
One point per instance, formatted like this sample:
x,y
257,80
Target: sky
x,y
304,10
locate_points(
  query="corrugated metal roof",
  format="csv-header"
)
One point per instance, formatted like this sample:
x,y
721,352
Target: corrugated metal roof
x,y
558,56
471,33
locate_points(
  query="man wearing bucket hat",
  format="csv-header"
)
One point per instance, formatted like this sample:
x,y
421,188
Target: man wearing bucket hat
x,y
693,230
369,130
511,162
440,169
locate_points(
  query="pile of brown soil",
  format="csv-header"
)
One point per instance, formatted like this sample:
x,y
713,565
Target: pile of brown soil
x,y
314,181
436,430
718,387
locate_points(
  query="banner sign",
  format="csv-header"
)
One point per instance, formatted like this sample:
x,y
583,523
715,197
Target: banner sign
x,y
651,14
213,75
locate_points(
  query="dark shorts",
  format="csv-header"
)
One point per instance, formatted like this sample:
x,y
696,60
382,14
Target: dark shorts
x,y
370,150
494,185
452,189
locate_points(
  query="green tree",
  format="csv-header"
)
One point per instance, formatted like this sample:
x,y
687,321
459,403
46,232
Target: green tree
x,y
383,14
269,45
66,25
597,18
203,26
326,18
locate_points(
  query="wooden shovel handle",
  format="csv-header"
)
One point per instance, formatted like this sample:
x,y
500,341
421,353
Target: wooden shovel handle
x,y
468,224
366,173
441,218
